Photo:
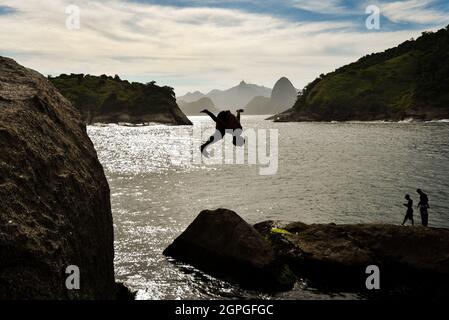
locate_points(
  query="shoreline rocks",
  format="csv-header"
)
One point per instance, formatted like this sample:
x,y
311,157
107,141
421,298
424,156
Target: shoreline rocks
x,y
337,255
292,115
332,256
175,118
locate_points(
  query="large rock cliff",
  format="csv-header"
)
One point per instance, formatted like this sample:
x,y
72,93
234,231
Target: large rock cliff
x,y
54,198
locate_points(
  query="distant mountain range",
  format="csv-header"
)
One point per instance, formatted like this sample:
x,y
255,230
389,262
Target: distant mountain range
x,y
191,97
195,107
408,81
253,98
233,98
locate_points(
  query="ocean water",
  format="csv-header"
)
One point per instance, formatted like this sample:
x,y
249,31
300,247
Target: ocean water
x,y
326,172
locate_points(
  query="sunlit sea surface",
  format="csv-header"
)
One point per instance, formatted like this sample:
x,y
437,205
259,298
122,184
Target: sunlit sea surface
x,y
327,172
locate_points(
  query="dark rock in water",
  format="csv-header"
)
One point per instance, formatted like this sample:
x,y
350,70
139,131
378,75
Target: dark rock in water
x,y
339,254
413,261
222,242
54,198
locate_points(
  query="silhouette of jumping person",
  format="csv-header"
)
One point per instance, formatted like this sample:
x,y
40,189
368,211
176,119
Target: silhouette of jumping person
x,y
225,120
423,206
409,214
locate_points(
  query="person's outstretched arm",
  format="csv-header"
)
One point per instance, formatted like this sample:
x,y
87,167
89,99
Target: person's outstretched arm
x,y
238,114
210,114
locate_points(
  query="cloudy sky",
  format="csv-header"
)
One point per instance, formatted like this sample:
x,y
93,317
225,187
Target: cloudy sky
x,y
206,44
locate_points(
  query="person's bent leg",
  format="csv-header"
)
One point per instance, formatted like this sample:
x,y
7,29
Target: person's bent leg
x,y
217,136
237,138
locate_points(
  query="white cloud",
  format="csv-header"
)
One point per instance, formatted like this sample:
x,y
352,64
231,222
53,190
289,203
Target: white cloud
x,y
414,11
320,6
188,48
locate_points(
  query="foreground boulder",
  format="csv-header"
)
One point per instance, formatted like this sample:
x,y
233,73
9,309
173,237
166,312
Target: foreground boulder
x,y
223,243
339,254
54,197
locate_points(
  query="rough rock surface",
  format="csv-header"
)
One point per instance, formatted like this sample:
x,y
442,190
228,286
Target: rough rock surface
x,y
340,253
413,261
54,198
223,243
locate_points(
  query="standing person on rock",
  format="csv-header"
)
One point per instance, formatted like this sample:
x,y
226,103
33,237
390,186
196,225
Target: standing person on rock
x,y
409,214
423,206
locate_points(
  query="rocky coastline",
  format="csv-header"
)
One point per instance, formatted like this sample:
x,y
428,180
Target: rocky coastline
x,y
329,256
419,115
